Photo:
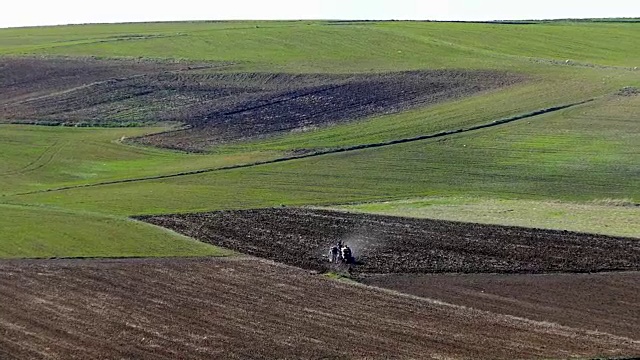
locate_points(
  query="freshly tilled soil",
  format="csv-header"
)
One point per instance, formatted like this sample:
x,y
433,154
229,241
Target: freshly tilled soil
x,y
252,309
384,244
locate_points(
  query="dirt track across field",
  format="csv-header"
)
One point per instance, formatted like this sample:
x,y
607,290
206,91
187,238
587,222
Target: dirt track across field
x,y
248,308
385,244
608,302
217,107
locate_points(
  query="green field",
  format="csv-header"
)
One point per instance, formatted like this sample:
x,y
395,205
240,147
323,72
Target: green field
x,y
38,232
608,216
570,169
561,156
44,157
313,46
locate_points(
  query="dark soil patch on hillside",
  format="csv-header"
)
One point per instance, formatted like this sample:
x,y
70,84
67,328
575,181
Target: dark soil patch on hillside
x,y
69,91
384,244
629,91
217,107
289,103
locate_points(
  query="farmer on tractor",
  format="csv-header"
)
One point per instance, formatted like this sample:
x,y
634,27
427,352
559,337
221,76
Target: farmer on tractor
x,y
341,253
347,256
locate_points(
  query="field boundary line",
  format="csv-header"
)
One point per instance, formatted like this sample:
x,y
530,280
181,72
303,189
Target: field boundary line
x,y
551,326
323,152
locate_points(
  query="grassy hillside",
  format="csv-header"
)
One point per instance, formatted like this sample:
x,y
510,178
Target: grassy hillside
x,y
569,158
556,86
37,232
333,47
37,158
581,154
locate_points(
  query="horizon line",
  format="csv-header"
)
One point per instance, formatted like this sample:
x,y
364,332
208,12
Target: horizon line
x,y
497,21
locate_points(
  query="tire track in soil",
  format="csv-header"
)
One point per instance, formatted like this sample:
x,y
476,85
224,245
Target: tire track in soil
x,y
48,155
441,134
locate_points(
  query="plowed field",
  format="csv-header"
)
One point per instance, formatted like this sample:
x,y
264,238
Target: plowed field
x,y
247,308
68,90
216,107
608,302
284,103
385,244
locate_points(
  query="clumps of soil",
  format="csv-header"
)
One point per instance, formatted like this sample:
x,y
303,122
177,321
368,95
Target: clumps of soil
x,y
32,78
384,244
217,107
629,91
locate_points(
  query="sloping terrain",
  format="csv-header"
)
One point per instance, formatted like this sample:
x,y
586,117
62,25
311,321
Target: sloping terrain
x,y
217,107
608,302
330,47
246,308
385,244
29,85
98,236
294,103
252,90
579,155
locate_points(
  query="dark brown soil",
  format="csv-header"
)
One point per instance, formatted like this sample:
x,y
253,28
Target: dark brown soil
x,y
384,244
251,309
303,102
217,107
608,302
69,91
23,79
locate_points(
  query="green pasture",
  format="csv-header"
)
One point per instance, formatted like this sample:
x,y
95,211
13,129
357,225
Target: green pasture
x,y
43,157
566,156
313,46
38,232
556,87
608,217
576,169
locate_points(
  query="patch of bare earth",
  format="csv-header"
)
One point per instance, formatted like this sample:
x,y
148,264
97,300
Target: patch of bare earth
x,y
246,308
386,244
217,107
285,103
74,90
